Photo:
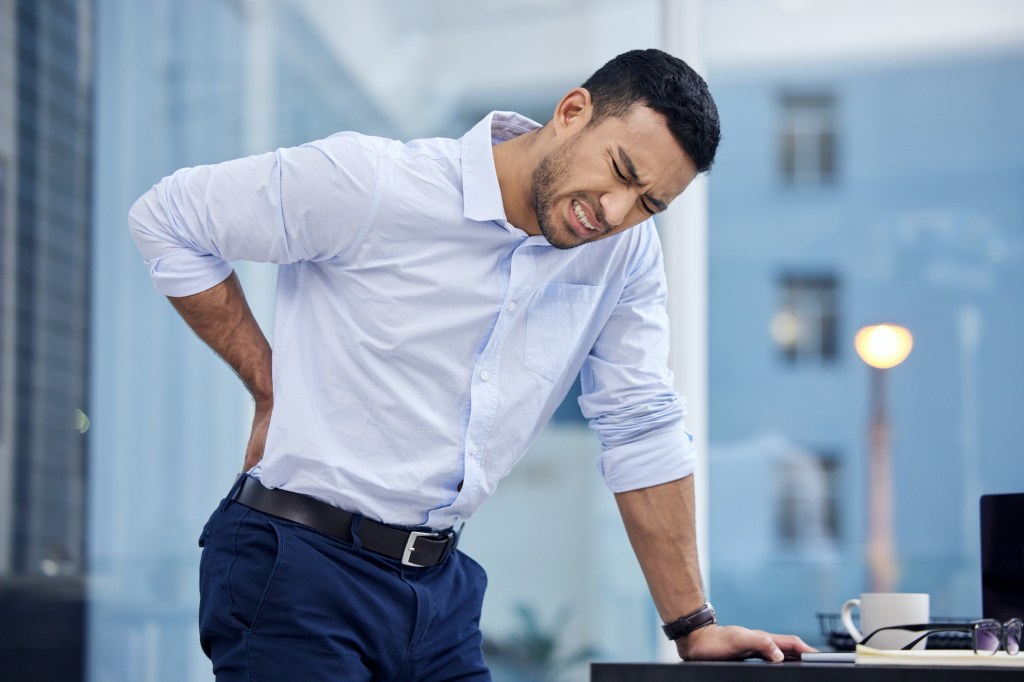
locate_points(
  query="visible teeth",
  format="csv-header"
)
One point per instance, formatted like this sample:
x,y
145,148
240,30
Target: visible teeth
x,y
581,215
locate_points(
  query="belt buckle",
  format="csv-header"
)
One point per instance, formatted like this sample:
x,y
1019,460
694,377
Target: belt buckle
x,y
410,546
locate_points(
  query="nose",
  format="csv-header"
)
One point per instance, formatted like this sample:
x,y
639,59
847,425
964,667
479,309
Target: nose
x,y
616,205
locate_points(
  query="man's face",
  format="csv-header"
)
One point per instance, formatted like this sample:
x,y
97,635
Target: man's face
x,y
608,177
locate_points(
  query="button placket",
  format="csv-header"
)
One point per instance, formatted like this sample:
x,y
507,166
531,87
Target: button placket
x,y
484,391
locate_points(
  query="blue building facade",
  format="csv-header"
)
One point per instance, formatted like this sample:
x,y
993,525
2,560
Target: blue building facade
x,y
45,198
843,196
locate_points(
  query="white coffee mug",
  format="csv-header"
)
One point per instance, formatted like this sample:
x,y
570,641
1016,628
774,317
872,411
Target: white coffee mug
x,y
883,609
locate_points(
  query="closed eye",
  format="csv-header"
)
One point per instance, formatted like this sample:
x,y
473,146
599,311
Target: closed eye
x,y
619,173
643,204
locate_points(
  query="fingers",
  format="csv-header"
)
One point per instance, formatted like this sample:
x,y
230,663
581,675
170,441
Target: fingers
x,y
255,447
791,646
768,649
258,437
776,648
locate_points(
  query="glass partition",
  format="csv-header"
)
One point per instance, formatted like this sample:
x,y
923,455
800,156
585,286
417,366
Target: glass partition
x,y
866,177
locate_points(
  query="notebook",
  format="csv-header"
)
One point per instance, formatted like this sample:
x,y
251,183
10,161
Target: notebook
x,y
1002,556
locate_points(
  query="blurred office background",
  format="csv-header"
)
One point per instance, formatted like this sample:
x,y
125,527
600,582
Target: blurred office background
x,y
872,171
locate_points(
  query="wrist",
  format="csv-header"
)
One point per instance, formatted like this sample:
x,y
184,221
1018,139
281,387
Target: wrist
x,y
262,399
685,625
689,647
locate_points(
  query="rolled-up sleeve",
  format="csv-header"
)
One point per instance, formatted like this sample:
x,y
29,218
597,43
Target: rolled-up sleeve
x,y
628,394
311,202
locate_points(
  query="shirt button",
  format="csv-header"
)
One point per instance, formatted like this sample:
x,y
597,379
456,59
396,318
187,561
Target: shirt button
x,y
511,305
485,375
473,449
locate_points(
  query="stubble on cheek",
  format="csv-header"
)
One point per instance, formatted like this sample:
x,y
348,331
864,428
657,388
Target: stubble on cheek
x,y
547,176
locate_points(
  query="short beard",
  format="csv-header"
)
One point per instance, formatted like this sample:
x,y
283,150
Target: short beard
x,y
552,169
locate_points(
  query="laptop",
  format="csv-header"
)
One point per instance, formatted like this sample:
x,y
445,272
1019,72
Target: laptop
x,y
1002,556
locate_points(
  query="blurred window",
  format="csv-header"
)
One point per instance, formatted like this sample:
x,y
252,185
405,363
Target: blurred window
x,y
805,327
807,139
807,516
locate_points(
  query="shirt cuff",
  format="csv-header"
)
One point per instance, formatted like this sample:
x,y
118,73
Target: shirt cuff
x,y
188,273
667,456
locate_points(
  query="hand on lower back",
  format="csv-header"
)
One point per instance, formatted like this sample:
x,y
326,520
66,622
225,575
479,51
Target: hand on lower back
x,y
258,437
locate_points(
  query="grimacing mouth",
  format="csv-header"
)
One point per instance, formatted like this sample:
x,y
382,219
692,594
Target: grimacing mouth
x,y
601,228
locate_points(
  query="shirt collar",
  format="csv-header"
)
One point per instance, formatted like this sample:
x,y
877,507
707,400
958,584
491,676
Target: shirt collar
x,y
480,189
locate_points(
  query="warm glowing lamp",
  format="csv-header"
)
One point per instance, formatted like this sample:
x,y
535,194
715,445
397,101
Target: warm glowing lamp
x,y
883,345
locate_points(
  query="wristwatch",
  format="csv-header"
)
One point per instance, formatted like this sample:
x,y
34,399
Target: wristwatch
x,y
684,625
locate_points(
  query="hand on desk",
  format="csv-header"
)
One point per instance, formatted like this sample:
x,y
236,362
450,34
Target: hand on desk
x,y
722,643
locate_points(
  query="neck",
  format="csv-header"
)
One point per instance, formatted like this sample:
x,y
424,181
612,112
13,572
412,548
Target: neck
x,y
514,162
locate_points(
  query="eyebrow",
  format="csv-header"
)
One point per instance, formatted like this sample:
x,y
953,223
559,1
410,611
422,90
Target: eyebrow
x,y
631,173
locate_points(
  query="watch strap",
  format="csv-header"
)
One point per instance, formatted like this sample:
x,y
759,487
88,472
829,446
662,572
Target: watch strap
x,y
684,625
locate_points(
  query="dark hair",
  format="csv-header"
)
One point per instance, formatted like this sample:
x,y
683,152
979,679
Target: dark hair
x,y
667,85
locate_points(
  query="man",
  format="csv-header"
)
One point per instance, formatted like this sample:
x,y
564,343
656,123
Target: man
x,y
435,301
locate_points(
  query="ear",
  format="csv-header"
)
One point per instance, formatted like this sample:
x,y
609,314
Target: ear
x,y
573,111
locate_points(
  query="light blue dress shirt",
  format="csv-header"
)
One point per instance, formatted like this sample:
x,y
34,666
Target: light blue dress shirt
x,y
421,340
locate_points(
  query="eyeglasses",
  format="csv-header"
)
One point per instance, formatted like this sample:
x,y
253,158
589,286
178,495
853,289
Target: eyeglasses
x,y
987,636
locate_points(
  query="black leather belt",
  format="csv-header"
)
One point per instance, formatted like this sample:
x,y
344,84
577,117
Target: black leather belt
x,y
412,548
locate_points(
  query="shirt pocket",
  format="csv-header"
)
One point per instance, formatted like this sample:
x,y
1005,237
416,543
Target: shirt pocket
x,y
555,323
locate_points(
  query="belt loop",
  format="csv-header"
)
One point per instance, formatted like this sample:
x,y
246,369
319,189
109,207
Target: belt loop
x,y
458,536
357,542
453,543
235,487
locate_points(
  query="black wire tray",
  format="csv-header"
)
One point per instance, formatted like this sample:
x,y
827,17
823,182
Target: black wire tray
x,y
838,639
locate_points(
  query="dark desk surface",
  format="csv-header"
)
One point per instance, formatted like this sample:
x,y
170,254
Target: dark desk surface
x,y
699,671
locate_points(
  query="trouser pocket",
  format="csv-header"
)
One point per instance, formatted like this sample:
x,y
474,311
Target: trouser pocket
x,y
237,572
258,547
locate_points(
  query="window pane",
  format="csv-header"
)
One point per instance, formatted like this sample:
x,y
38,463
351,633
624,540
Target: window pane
x,y
807,138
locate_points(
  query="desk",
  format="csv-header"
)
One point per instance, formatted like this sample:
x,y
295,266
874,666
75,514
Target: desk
x,y
700,671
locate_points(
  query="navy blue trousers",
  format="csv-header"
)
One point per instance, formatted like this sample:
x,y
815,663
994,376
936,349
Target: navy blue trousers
x,y
280,601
